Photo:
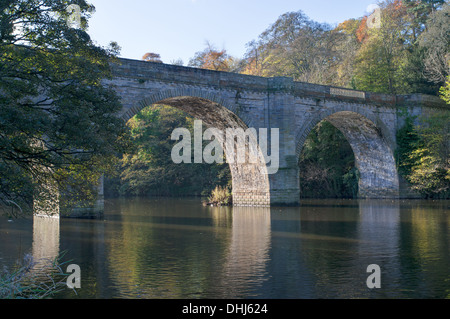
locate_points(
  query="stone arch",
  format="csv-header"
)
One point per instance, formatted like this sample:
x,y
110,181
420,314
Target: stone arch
x,y
193,92
372,145
250,183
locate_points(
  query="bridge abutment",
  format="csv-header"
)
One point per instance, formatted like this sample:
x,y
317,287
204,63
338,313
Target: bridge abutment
x,y
49,202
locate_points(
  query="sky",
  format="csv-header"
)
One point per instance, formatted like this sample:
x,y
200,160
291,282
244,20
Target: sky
x,y
177,29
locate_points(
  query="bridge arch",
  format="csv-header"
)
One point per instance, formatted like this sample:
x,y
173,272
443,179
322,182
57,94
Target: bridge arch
x,y
250,182
372,145
161,95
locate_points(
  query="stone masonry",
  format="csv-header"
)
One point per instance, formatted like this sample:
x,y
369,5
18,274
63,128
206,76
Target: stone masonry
x,y
227,100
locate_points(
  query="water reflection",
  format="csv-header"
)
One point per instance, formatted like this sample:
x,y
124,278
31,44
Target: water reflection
x,y
248,253
428,239
45,248
167,249
157,248
379,230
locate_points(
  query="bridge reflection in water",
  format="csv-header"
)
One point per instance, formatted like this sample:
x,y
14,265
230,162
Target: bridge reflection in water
x,y
176,249
45,249
247,256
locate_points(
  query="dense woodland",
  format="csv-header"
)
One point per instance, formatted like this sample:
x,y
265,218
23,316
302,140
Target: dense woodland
x,y
59,129
405,49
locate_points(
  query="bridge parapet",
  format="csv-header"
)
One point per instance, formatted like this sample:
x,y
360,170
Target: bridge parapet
x,y
151,71
143,71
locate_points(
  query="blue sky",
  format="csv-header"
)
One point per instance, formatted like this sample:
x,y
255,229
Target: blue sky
x,y
176,29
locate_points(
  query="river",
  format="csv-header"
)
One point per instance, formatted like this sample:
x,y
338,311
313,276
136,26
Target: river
x,y
176,248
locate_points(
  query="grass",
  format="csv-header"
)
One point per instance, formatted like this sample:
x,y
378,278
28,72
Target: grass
x,y
31,279
220,196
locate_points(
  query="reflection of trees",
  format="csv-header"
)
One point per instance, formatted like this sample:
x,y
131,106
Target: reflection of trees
x,y
174,251
221,216
379,231
340,240
289,277
426,259
329,238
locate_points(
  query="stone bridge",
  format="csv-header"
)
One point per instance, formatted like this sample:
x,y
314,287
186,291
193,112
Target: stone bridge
x,y
223,100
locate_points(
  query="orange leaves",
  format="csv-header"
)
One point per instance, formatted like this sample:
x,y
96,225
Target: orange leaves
x,y
152,57
252,67
356,27
215,60
212,59
362,31
349,26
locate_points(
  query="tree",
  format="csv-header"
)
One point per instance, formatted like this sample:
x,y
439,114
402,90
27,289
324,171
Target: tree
x,y
355,31
445,91
213,59
152,57
407,141
436,41
392,57
430,173
58,120
252,62
419,12
378,64
150,170
423,154
327,164
297,47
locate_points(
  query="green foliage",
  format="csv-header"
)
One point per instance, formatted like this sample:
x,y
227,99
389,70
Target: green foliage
x,y
149,169
300,48
407,140
327,165
421,10
445,91
372,72
423,155
430,174
59,123
406,53
435,41
220,196
32,279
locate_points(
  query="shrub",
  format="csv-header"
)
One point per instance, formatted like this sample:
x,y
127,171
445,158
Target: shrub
x,y
31,279
220,196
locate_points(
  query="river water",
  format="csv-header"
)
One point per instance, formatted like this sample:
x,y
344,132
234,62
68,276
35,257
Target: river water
x,y
176,248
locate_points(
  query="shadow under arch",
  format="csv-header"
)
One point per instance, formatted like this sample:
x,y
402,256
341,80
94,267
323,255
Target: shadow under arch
x,y
372,145
250,181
